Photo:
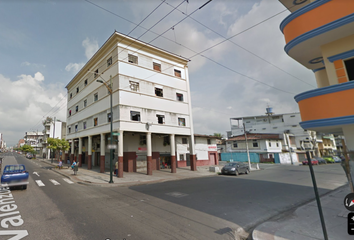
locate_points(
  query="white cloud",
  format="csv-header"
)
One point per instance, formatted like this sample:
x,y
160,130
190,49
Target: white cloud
x,y
28,101
91,47
74,67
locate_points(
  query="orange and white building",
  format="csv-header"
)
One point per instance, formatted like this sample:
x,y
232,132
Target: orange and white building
x,y
319,34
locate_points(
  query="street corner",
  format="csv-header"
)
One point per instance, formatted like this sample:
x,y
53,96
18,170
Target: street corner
x,y
268,231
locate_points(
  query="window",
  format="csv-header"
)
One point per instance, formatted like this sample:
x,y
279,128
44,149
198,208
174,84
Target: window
x,y
95,121
264,128
76,128
277,144
109,117
85,83
85,103
179,97
160,119
166,140
142,140
134,116
69,113
95,97
184,141
76,108
209,141
234,143
181,157
294,125
157,67
255,143
181,122
77,89
159,92
275,127
134,86
109,61
69,129
292,116
96,73
132,59
71,95
84,125
269,144
177,73
349,65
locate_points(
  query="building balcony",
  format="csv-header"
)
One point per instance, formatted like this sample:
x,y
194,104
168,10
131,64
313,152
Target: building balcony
x,y
314,25
326,109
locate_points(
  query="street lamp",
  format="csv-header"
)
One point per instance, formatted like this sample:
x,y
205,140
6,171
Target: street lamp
x,y
109,87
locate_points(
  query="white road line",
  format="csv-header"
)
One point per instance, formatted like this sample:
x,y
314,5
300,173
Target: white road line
x,y
40,183
54,182
68,181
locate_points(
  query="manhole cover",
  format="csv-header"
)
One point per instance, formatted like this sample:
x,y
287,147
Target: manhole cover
x,y
177,194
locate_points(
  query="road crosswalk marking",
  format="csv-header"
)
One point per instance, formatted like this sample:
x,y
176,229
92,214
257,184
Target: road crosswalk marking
x,y
40,183
68,181
54,182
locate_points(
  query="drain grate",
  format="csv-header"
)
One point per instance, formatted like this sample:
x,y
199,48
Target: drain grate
x,y
177,194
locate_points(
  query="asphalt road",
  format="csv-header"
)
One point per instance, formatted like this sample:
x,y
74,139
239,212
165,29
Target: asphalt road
x,y
200,208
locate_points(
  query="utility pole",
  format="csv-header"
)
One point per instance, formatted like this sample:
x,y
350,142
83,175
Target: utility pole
x,y
52,153
248,152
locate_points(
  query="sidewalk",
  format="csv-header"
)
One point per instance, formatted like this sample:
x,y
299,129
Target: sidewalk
x,y
94,177
305,224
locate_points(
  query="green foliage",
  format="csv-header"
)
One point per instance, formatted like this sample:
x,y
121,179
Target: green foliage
x,y
27,148
58,145
219,135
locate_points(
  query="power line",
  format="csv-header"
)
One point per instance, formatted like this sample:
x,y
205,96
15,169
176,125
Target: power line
x,y
254,54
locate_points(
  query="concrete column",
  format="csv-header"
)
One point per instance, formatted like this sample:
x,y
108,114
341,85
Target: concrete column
x,y
66,157
149,153
173,153
120,154
89,153
193,157
80,152
103,153
72,151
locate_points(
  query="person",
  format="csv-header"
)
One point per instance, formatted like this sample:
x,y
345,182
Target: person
x,y
74,164
116,169
60,164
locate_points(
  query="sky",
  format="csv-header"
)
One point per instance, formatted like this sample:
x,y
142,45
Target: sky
x,y
242,69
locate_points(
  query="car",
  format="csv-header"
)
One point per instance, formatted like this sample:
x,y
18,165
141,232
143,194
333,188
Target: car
x,y
235,168
313,161
320,160
337,159
29,155
15,175
329,159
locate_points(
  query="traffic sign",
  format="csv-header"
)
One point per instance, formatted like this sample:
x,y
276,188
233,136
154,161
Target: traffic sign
x,y
116,134
306,145
111,146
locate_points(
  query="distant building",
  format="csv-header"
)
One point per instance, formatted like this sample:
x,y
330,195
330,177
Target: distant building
x,y
52,129
20,143
33,139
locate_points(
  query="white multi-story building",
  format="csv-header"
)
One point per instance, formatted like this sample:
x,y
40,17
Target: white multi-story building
x,y
52,129
33,139
287,125
151,106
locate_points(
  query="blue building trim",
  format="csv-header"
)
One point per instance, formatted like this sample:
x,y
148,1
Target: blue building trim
x,y
324,90
318,69
327,122
301,11
342,55
318,31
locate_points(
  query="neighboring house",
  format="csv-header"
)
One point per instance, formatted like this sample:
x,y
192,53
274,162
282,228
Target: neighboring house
x,y
20,143
52,129
326,46
33,139
205,149
151,107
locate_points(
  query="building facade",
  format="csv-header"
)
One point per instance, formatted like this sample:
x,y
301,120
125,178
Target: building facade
x,y
320,36
33,139
52,129
150,105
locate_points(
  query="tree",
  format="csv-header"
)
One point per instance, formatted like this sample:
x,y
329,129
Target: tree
x,y
219,135
27,148
57,145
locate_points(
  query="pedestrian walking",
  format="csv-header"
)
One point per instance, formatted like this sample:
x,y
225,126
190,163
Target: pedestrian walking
x,y
60,165
116,169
